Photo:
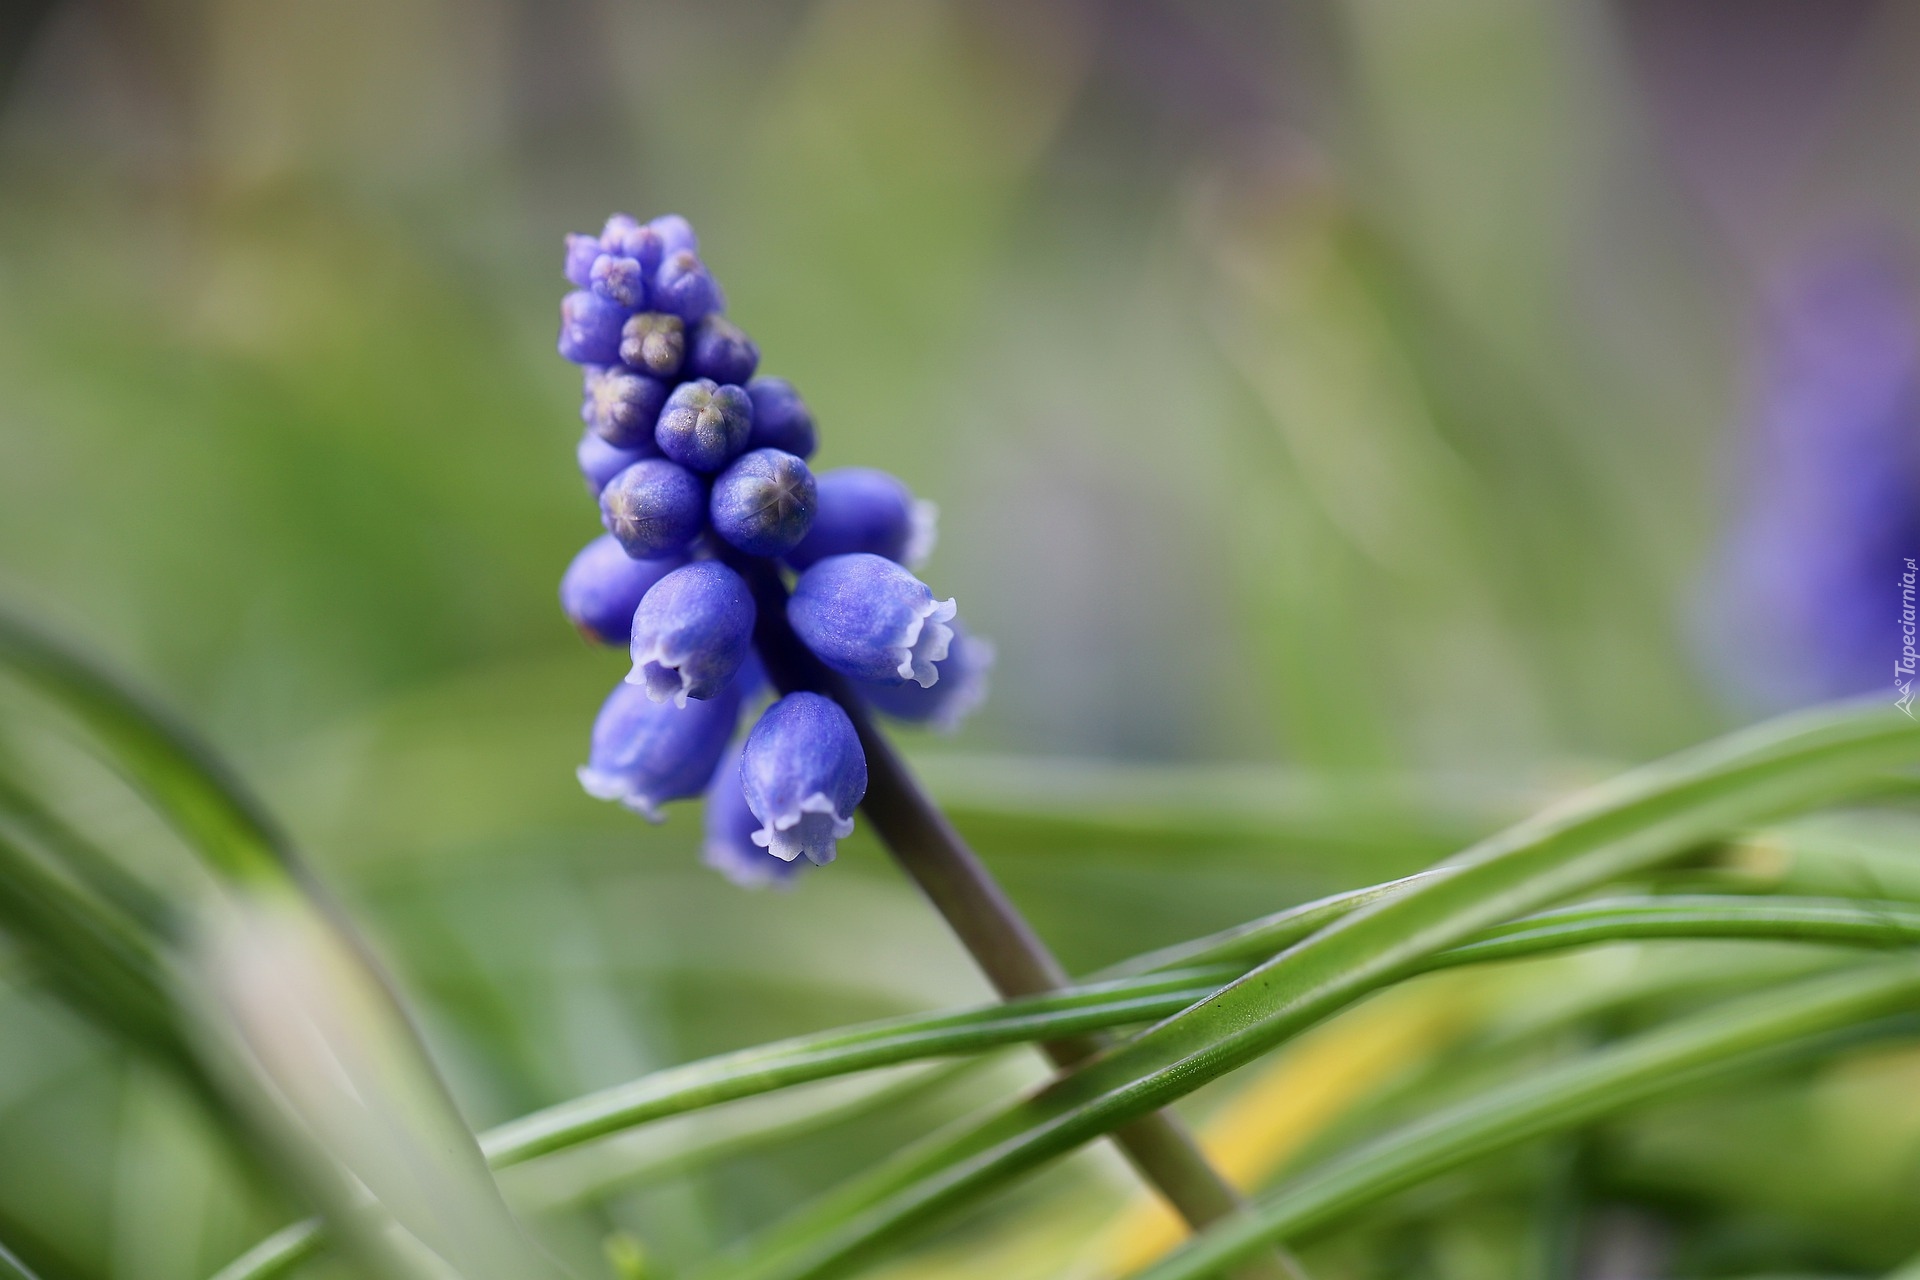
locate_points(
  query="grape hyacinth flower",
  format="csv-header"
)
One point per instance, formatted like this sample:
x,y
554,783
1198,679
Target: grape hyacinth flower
x,y
691,632
704,426
622,407
942,706
604,585
654,508
804,773
728,845
866,510
780,418
856,631
601,462
720,350
866,617
645,753
698,464
764,503
654,343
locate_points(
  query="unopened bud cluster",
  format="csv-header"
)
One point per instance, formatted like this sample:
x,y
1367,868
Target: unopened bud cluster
x,y
699,467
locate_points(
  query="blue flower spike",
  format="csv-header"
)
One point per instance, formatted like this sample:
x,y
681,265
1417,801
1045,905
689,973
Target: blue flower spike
x,y
604,585
623,407
654,343
763,504
691,633
601,462
685,287
590,328
704,426
804,774
699,466
729,824
943,706
866,510
721,350
655,508
866,617
645,753
780,418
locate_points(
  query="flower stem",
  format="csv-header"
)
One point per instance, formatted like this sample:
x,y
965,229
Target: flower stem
x,y
1002,943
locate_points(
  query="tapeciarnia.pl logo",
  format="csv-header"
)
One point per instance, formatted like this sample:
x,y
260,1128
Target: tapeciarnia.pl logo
x,y
1903,669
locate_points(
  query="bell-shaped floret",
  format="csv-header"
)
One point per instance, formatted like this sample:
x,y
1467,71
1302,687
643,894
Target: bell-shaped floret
x,y
604,585
685,287
728,847
942,706
865,616
654,507
646,753
804,774
866,510
691,633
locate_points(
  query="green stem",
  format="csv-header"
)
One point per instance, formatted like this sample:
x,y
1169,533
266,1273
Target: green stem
x,y
1011,955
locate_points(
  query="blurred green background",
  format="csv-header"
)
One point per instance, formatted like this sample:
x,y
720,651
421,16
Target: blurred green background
x,y
1328,405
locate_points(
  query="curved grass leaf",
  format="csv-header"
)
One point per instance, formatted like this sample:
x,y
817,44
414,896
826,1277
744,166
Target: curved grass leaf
x,y
1554,1100
11,1268
1605,834
1103,1005
297,1004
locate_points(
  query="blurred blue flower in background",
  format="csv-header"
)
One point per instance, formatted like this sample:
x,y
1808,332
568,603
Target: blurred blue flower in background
x,y
1805,601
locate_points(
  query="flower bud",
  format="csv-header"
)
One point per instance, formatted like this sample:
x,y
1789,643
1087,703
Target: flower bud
x,y
619,279
961,689
780,418
865,616
704,426
626,238
604,585
729,824
590,328
685,287
601,462
763,503
866,510
691,633
675,233
721,350
645,753
654,508
654,343
623,407
803,773
581,251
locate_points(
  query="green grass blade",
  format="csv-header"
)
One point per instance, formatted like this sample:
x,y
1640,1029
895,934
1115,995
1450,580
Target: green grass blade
x,y
1607,833
1555,1100
185,779
1116,1002
11,1268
